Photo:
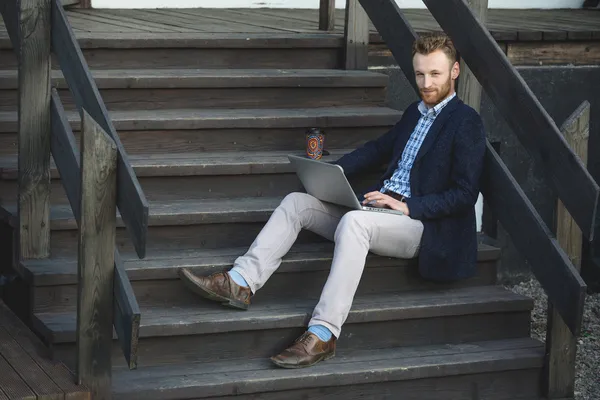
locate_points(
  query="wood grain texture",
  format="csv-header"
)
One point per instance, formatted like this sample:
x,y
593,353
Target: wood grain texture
x,y
34,129
327,15
554,53
96,258
356,35
469,89
522,110
127,313
65,153
130,198
396,31
534,241
34,348
35,377
561,345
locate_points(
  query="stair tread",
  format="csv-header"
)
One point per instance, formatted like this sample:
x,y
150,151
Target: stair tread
x,y
176,212
163,264
349,367
169,119
219,40
216,78
194,164
206,317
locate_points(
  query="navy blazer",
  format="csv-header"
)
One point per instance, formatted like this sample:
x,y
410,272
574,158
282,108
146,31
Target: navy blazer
x,y
444,184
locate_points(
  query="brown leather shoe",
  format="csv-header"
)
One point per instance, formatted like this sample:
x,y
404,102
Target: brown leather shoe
x,y
217,287
306,351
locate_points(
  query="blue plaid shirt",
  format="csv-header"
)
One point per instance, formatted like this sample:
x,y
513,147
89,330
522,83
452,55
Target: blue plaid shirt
x,y
400,180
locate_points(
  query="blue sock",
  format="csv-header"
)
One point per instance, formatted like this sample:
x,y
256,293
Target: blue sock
x,y
321,331
237,278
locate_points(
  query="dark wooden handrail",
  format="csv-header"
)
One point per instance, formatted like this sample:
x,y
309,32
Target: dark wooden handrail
x,y
131,200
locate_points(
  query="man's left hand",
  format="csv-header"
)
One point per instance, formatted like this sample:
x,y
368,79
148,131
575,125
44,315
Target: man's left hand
x,y
378,199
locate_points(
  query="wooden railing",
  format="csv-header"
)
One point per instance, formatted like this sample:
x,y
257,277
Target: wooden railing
x,y
97,183
538,133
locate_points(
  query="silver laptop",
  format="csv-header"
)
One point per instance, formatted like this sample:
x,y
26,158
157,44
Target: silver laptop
x,y
327,182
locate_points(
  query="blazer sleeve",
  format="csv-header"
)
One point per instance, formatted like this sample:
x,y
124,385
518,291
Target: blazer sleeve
x,y
379,151
467,165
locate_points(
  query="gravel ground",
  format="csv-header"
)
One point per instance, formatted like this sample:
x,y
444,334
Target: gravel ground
x,y
587,383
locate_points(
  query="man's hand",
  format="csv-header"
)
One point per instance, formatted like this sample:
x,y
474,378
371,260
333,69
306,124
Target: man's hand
x,y
378,199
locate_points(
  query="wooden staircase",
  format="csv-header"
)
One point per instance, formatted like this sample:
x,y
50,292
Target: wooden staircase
x,y
207,121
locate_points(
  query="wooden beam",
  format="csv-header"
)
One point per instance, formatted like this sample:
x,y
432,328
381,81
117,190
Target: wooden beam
x,y
10,13
65,153
327,15
131,200
561,345
534,241
34,129
356,35
469,89
396,31
96,257
126,311
521,109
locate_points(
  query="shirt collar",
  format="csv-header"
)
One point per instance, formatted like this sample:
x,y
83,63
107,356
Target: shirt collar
x,y
435,111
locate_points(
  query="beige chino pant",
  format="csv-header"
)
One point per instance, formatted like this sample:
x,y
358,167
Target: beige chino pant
x,y
355,234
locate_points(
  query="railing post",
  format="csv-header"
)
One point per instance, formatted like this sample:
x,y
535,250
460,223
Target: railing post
x,y
356,35
561,345
469,89
327,15
96,258
34,128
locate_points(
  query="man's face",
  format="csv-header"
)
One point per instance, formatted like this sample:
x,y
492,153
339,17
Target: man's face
x,y
435,75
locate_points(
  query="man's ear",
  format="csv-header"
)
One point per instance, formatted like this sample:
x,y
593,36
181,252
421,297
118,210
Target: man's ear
x,y
455,72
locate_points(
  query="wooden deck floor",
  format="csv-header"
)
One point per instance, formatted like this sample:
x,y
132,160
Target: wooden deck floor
x,y
505,25
26,371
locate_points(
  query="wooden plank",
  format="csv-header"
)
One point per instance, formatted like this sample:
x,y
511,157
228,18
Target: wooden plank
x,y
533,240
96,258
131,201
327,15
12,384
31,373
65,153
125,307
10,13
356,34
126,313
561,345
469,89
41,355
395,31
557,53
34,129
522,110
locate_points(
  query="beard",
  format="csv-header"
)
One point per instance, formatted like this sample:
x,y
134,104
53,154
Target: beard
x,y
433,97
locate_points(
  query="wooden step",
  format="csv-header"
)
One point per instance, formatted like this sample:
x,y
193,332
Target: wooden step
x,y
204,331
494,370
304,269
218,130
197,88
167,177
202,50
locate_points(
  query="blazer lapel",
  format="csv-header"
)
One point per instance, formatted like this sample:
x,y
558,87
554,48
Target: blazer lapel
x,y
436,127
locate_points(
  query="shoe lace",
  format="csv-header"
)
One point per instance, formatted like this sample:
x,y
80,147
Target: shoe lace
x,y
305,339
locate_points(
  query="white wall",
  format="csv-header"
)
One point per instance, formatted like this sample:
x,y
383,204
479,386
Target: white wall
x,y
312,3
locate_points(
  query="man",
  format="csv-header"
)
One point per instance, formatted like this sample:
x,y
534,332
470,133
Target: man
x,y
435,155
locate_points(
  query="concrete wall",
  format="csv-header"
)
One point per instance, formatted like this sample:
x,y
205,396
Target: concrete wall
x,y
560,90
312,3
